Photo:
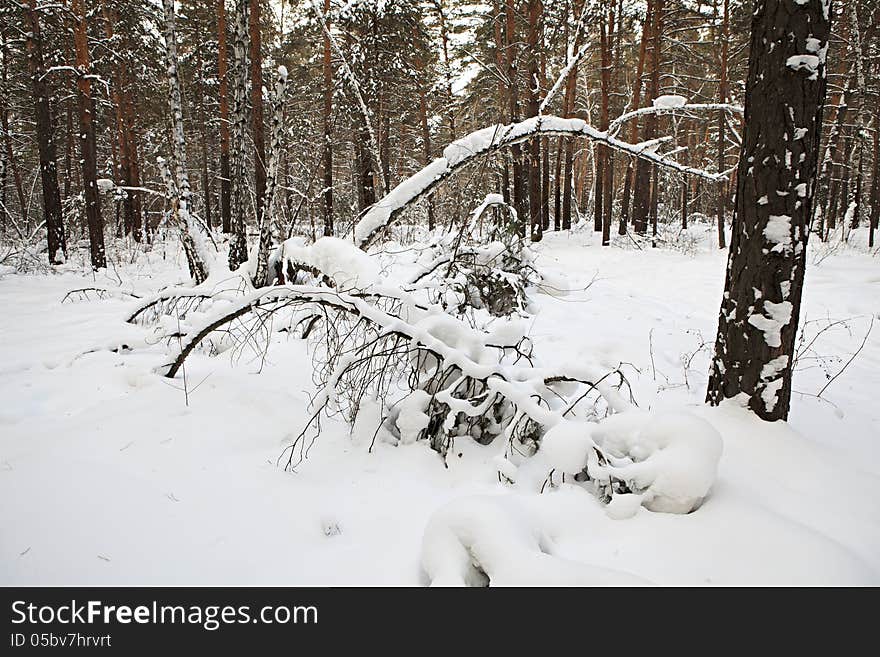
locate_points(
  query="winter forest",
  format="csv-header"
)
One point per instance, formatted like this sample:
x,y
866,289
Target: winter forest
x,y
436,292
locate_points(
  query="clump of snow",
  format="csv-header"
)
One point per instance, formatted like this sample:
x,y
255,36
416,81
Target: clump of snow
x,y
808,63
506,333
779,316
411,416
454,333
105,184
674,457
778,231
623,506
669,101
566,446
339,259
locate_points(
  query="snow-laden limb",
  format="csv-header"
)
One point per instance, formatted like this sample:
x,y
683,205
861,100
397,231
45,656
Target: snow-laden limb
x,y
486,141
573,60
381,342
492,540
335,260
672,107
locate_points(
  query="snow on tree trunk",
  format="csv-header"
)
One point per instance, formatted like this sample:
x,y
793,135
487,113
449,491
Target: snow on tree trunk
x,y
194,234
785,92
238,245
268,226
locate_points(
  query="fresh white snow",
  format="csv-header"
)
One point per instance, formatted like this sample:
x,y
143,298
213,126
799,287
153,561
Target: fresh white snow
x,y
108,477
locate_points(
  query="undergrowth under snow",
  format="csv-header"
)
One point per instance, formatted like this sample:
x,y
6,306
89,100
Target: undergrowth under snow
x,y
108,477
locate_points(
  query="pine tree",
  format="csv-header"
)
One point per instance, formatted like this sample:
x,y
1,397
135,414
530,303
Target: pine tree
x,y
776,178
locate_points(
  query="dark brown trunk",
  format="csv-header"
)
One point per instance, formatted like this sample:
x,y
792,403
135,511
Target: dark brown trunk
x,y
636,103
758,320
88,153
45,140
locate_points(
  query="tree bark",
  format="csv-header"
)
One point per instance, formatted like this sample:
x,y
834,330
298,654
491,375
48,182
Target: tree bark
x,y
238,192
257,130
88,150
636,102
535,198
722,119
776,177
642,180
520,200
45,140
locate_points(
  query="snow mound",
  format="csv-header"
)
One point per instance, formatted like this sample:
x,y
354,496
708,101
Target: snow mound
x,y
411,416
482,540
454,333
566,446
672,457
340,260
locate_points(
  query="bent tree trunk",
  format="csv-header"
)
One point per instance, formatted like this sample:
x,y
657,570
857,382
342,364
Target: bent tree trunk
x,y
785,92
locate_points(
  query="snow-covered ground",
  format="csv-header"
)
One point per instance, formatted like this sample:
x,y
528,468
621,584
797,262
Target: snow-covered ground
x,y
107,477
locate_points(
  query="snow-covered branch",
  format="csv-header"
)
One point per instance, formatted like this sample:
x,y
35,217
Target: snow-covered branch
x,y
486,141
671,108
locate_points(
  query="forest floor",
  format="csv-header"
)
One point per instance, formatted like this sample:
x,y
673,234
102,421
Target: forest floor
x,y
108,477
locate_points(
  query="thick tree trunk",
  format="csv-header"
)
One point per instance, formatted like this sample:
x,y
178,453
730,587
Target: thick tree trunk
x,y
46,141
88,151
785,92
